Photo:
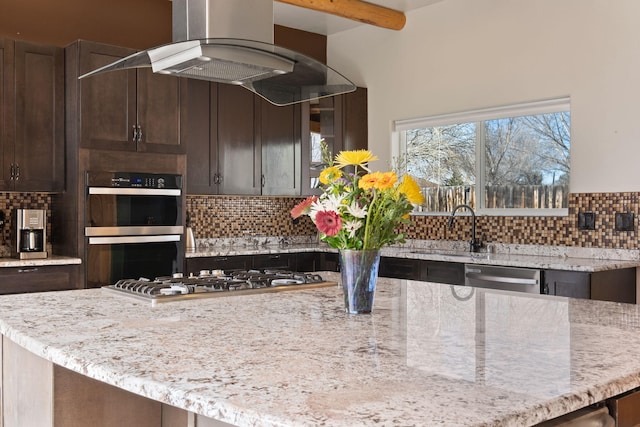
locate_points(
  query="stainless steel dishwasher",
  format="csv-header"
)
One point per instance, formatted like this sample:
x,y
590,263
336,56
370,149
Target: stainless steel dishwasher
x,y
504,278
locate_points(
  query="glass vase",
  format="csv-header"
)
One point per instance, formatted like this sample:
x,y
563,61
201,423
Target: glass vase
x,y
359,273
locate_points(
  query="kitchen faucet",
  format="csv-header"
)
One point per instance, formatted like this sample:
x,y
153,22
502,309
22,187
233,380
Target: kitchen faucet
x,y
474,244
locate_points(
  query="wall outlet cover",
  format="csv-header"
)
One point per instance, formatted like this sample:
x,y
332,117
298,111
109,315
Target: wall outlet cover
x,y
586,221
624,221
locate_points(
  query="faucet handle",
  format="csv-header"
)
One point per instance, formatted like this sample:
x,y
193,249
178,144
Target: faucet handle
x,y
475,245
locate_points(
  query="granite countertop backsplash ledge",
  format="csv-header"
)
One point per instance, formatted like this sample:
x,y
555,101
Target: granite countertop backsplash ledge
x,y
528,256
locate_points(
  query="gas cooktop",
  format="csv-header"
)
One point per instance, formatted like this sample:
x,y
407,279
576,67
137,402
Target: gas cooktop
x,y
213,283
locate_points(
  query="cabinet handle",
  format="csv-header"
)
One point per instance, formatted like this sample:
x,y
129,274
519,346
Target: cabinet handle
x,y
262,180
17,173
139,133
135,133
12,172
27,270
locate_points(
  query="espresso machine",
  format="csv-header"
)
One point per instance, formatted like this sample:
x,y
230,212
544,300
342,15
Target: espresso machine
x,y
30,239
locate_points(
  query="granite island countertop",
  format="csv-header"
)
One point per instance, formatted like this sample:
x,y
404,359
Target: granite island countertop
x,y
430,354
544,259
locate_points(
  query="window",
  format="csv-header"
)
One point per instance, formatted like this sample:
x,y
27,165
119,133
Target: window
x,y
508,160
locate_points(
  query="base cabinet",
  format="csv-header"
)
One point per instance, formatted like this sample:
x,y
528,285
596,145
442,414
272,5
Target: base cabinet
x,y
612,285
14,280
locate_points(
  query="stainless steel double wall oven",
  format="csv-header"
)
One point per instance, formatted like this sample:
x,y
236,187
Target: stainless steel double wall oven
x,y
134,226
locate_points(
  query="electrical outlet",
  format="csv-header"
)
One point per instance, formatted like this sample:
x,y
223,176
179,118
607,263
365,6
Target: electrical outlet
x,y
586,221
624,221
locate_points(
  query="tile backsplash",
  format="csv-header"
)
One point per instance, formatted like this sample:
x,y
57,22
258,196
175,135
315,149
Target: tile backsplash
x,y
245,216
248,216
9,202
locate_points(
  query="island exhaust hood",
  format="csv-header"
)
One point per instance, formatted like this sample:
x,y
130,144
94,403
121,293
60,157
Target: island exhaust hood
x,y
231,41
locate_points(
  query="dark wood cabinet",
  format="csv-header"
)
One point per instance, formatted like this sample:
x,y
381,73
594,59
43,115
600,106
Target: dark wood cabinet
x,y
451,273
572,284
201,137
6,114
275,261
237,143
15,280
280,141
127,110
237,140
400,268
237,262
611,285
308,261
32,135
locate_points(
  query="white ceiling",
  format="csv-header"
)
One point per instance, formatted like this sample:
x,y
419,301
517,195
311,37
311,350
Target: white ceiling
x,y
324,23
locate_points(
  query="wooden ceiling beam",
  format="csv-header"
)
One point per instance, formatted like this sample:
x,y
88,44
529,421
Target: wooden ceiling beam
x,y
356,10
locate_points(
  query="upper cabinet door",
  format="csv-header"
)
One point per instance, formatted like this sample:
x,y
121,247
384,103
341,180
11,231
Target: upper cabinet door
x,y
238,145
107,101
7,118
280,139
39,117
159,112
200,136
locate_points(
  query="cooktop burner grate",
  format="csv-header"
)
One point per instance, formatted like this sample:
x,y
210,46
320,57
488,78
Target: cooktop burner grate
x,y
216,283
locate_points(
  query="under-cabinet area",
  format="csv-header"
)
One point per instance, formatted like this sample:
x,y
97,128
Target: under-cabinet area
x,y
616,284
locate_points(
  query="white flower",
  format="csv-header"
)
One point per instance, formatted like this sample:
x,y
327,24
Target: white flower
x,y
357,211
352,226
332,202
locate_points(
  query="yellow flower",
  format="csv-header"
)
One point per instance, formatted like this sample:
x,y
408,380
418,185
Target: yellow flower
x,y
330,174
411,190
355,158
378,180
369,180
386,180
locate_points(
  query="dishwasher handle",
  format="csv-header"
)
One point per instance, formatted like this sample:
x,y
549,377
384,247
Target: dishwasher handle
x,y
500,279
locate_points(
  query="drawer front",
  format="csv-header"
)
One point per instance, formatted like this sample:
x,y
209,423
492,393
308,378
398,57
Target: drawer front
x,y
16,280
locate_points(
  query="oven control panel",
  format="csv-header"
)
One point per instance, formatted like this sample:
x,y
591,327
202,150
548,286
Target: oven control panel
x,y
133,180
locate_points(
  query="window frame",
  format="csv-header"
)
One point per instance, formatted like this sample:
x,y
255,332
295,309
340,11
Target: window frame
x,y
555,105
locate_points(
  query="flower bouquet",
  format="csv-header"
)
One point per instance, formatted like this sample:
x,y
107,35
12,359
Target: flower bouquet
x,y
358,213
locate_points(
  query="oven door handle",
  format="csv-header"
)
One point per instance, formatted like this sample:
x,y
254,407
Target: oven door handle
x,y
140,230
133,239
135,191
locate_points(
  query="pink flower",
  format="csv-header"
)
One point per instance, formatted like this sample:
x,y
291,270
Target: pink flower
x,y
303,207
328,222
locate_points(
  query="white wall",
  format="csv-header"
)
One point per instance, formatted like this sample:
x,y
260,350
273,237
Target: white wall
x,y
458,55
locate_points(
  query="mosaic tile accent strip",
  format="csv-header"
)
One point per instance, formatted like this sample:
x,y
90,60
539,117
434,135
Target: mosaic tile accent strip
x,y
233,216
9,202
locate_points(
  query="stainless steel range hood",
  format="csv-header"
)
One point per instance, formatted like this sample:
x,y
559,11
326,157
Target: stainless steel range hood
x,y
231,41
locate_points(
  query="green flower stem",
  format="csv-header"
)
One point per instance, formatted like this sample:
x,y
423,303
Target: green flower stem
x,y
368,221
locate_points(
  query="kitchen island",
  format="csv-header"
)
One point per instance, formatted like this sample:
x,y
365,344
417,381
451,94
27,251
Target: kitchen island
x,y
430,354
